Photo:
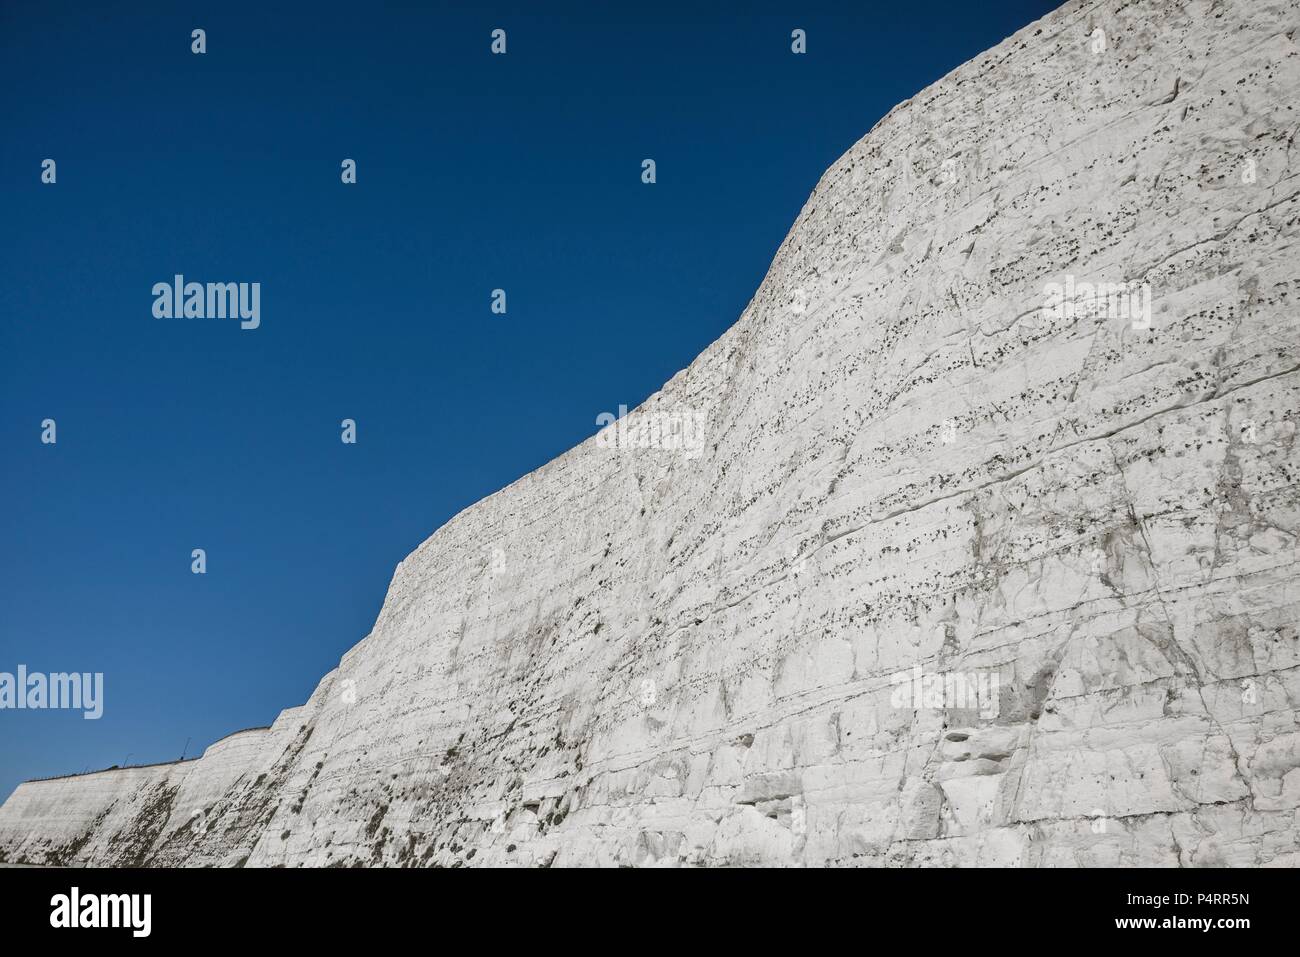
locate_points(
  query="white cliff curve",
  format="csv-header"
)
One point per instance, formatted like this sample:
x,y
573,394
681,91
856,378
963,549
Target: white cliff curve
x,y
949,577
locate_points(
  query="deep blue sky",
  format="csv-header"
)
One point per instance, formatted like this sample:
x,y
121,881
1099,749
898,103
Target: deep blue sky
x,y
474,172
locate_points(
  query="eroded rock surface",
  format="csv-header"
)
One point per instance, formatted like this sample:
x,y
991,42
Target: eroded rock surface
x,y
1086,522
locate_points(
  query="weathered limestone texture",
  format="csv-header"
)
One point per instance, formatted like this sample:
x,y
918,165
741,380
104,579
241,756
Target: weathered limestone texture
x,y
1082,520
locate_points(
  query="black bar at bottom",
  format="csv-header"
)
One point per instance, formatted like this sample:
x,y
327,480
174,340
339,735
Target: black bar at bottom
x,y
335,906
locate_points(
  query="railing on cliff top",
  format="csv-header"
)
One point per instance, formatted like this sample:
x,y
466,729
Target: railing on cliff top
x,y
151,764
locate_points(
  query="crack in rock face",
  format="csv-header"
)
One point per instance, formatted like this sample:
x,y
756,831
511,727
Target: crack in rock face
x,y
972,542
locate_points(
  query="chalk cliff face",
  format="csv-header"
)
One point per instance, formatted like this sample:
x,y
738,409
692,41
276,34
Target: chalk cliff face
x,y
970,560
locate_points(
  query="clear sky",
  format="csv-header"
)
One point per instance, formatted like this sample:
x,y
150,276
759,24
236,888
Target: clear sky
x,y
474,172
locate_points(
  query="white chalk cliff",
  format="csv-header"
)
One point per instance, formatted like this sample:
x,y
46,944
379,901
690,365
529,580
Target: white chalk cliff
x,y
646,657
